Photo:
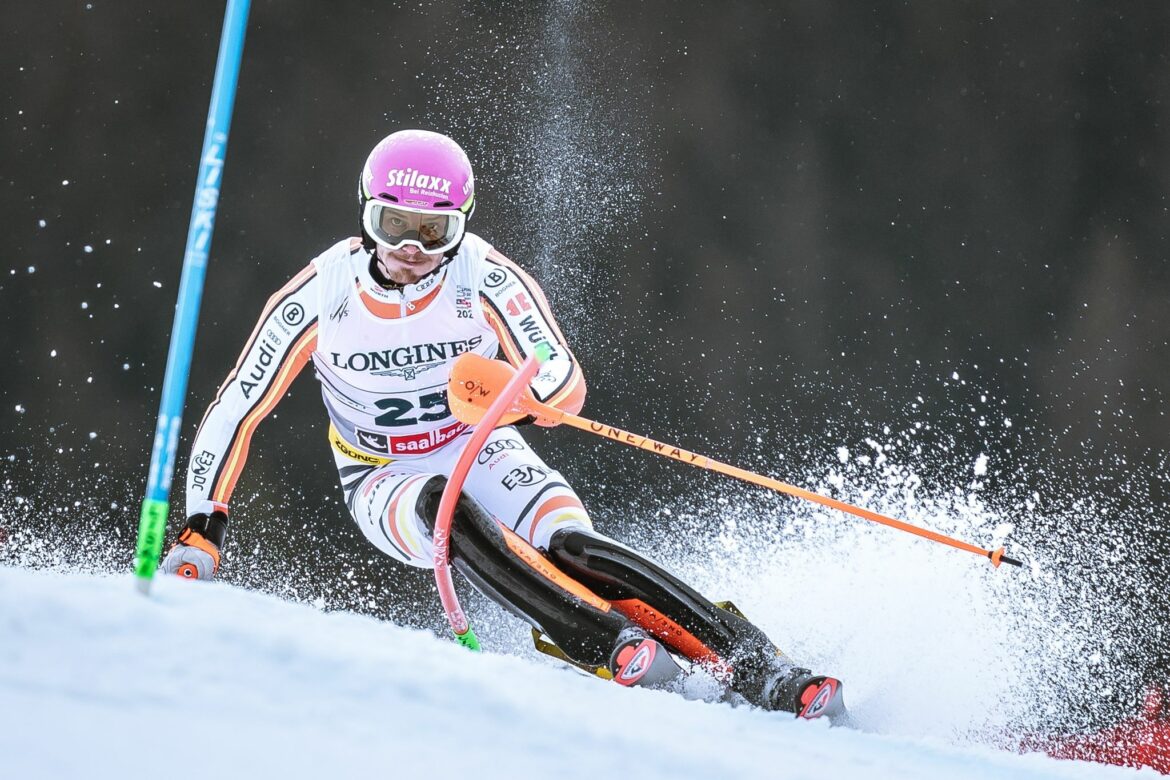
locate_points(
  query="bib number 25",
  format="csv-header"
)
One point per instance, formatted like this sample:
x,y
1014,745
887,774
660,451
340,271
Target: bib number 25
x,y
403,411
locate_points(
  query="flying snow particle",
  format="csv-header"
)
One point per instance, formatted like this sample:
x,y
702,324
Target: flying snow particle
x,y
41,223
158,284
955,376
52,353
92,435
20,408
32,269
843,454
981,465
1007,422
84,305
87,249
64,182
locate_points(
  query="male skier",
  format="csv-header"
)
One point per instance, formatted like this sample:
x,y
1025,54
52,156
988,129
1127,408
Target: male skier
x,y
382,317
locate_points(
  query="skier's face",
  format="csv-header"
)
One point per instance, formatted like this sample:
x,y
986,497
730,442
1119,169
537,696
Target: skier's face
x,y
407,264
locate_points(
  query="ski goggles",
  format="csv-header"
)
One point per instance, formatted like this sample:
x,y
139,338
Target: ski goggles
x,y
396,226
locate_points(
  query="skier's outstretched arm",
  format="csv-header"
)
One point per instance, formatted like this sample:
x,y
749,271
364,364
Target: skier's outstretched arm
x,y
280,345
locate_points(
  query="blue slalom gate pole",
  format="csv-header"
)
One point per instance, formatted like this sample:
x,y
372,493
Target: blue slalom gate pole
x,y
152,522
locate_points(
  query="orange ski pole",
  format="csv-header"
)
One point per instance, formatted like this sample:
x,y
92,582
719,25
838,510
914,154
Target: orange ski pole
x,y
476,381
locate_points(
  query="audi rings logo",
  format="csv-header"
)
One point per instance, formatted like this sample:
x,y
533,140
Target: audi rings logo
x,y
496,447
293,314
495,278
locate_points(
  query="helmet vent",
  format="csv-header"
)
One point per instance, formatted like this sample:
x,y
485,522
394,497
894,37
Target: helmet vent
x,y
443,204
387,196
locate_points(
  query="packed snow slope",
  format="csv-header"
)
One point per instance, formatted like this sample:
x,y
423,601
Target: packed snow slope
x,y
207,680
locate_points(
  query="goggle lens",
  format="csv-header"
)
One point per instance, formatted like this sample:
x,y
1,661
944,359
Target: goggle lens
x,y
395,226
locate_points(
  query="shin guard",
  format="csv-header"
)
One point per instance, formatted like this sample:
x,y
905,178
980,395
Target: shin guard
x,y
515,575
672,610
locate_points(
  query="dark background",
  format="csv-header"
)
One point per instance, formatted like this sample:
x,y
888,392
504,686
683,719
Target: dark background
x,y
769,230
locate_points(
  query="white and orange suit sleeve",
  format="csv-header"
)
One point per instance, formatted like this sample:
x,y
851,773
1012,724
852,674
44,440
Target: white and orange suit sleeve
x,y
277,350
518,312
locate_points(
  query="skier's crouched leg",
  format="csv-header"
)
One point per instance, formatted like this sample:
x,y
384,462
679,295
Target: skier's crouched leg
x,y
674,611
514,574
516,485
382,502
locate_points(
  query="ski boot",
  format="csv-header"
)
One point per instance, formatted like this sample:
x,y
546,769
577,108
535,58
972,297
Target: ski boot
x,y
640,660
807,695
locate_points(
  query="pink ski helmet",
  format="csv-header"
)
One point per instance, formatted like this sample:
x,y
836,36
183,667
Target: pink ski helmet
x,y
416,188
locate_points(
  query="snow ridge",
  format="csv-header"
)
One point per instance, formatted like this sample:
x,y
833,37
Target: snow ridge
x,y
98,681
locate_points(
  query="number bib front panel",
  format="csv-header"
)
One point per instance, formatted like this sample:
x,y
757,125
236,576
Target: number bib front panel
x,y
383,356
